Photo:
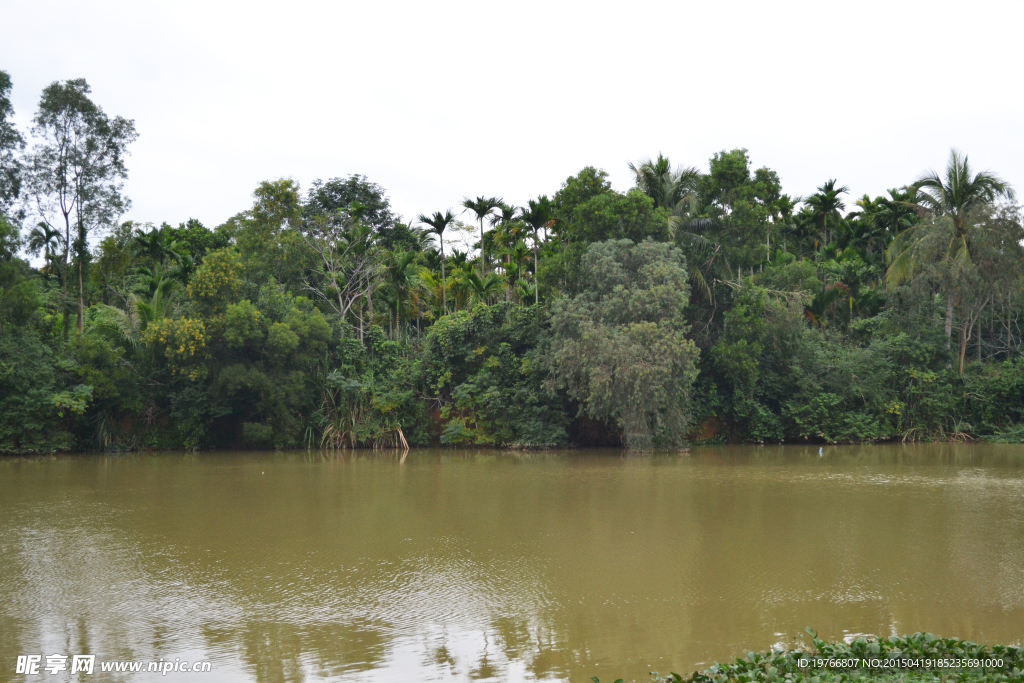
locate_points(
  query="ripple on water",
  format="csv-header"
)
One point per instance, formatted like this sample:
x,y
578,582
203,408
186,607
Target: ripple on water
x,y
515,569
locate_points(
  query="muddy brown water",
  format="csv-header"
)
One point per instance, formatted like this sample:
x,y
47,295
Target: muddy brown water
x,y
467,565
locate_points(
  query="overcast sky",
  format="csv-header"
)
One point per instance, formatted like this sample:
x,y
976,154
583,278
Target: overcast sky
x,y
439,100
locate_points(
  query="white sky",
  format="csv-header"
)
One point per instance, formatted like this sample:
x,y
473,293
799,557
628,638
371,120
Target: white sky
x,y
439,100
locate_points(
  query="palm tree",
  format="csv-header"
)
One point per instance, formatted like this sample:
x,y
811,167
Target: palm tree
x,y
676,190
426,298
513,268
438,222
157,244
512,271
458,287
506,214
120,325
482,207
847,270
507,226
401,279
159,288
665,185
459,259
691,232
898,211
524,290
482,289
518,253
882,218
954,195
824,206
43,238
183,268
537,214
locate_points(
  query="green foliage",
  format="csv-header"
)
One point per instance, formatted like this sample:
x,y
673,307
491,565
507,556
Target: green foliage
x,y
787,665
36,407
619,347
993,399
705,306
218,280
194,239
76,171
19,290
826,417
242,324
11,141
612,216
327,198
576,190
483,367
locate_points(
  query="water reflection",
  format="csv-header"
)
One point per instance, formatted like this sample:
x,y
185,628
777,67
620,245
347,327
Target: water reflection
x,y
503,566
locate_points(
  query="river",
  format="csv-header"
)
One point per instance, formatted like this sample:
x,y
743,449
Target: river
x,y
467,565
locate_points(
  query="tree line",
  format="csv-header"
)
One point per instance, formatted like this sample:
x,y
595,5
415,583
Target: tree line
x,y
694,307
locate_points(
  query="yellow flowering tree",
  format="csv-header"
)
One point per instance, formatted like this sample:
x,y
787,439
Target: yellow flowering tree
x,y
182,342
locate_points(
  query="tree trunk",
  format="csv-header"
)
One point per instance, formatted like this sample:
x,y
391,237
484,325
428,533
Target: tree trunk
x,y
444,286
65,309
81,299
949,321
536,272
482,268
963,346
67,253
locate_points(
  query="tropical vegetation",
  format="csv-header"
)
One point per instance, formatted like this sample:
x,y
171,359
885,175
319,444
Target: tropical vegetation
x,y
692,307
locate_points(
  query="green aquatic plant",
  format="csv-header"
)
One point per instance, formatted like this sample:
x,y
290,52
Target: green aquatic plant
x,y
921,657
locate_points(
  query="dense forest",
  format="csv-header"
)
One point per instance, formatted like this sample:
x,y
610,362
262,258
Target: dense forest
x,y
694,307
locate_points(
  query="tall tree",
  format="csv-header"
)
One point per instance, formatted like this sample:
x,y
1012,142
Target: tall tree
x,y
349,266
507,226
339,194
742,205
77,170
538,214
825,207
665,185
45,239
956,194
10,143
437,224
620,349
576,191
401,279
882,218
482,207
156,244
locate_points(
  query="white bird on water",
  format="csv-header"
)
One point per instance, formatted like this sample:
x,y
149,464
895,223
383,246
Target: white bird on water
x,y
821,451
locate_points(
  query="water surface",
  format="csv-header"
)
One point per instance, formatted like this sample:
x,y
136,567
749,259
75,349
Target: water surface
x,y
448,565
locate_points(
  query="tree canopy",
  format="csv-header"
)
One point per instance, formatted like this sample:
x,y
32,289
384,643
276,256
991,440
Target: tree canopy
x,y
694,306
